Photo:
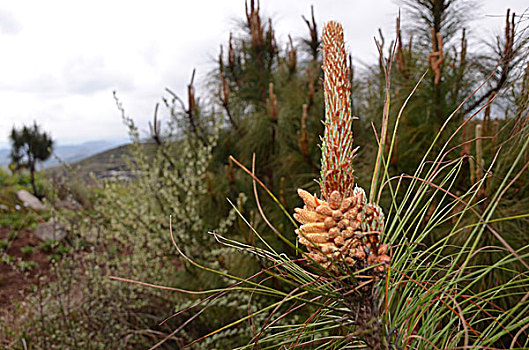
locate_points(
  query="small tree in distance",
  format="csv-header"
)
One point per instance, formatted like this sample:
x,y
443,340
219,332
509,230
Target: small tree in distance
x,y
30,145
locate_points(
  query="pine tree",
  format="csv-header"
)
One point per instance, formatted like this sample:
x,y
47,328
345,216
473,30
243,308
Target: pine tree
x,y
29,146
270,96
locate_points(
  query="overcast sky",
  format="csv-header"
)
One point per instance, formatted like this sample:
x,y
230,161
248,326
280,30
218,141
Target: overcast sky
x,y
61,60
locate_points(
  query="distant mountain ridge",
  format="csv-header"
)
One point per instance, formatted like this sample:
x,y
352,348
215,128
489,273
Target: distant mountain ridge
x,y
110,163
69,153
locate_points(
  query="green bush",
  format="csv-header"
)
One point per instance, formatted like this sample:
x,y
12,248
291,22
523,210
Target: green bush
x,y
7,259
26,265
27,250
4,244
131,220
20,220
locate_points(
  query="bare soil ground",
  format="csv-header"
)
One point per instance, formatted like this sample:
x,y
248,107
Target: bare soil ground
x,y
15,284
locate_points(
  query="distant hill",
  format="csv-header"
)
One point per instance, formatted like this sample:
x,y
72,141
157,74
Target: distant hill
x,y
68,153
4,156
109,163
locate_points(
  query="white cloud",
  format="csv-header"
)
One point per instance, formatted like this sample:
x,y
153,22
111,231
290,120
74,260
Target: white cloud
x,y
86,76
61,59
8,23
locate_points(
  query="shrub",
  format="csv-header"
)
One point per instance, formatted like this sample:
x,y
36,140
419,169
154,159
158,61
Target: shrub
x,y
26,265
27,250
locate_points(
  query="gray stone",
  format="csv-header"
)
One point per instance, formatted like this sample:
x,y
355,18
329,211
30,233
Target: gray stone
x,y
51,230
92,235
68,203
30,200
4,207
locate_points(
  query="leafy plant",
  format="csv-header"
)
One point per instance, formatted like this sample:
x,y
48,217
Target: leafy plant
x,y
48,245
12,235
27,265
7,259
18,221
27,250
56,249
4,244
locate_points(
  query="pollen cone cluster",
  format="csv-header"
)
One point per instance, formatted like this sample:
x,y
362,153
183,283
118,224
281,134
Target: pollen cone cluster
x,y
342,231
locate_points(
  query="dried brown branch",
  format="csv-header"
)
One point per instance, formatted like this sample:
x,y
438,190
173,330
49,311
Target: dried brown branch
x,y
155,127
504,63
191,111
291,55
314,42
436,58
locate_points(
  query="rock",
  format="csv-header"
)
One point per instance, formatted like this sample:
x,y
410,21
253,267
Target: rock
x,y
69,204
30,200
4,207
92,235
51,230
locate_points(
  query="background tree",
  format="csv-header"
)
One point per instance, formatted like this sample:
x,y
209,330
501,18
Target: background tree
x,y
269,93
487,119
30,145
